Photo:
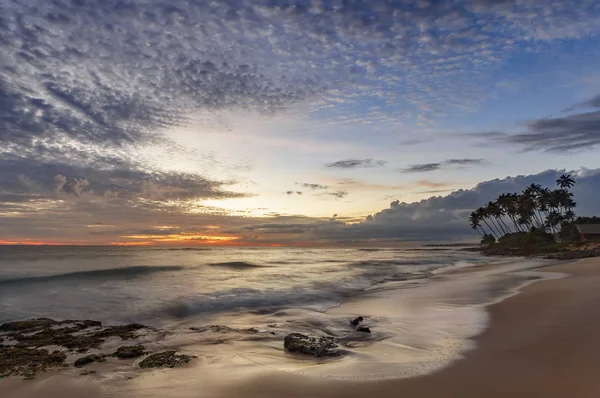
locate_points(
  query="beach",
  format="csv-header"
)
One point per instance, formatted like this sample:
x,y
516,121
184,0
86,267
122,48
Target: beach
x,y
539,342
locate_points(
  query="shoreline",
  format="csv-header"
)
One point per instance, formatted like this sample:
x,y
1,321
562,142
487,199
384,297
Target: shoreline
x,y
506,361
541,342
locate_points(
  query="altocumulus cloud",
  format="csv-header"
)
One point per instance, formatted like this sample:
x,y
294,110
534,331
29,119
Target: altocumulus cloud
x,y
84,84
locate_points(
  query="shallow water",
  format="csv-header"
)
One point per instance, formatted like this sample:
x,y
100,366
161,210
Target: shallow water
x,y
155,284
422,305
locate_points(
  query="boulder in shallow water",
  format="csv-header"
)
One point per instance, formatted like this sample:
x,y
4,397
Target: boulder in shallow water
x,y
167,359
356,321
363,329
130,351
311,345
88,359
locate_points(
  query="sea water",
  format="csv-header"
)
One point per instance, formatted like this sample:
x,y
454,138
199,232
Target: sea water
x,y
422,304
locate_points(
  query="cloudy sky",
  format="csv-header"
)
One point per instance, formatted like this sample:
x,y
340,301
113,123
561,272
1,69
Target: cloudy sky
x,y
288,121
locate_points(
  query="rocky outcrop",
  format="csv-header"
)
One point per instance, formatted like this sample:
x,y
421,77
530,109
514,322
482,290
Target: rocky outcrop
x,y
130,351
356,321
311,345
76,336
26,362
88,359
223,329
22,343
363,329
167,359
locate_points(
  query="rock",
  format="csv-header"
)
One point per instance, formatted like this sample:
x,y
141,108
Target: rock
x,y
223,329
356,321
88,372
130,351
309,345
19,326
88,359
167,359
76,336
27,362
363,329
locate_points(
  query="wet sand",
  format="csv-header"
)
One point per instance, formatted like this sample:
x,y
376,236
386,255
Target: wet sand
x,y
542,342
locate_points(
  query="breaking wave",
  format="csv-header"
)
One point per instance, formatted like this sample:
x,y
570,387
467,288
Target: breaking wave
x,y
110,273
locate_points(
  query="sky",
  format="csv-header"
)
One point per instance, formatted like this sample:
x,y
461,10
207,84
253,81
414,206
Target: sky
x,y
302,122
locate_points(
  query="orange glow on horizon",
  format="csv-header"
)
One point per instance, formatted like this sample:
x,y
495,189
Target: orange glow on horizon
x,y
30,242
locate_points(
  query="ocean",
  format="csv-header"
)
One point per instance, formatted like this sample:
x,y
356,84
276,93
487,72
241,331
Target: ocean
x,y
423,304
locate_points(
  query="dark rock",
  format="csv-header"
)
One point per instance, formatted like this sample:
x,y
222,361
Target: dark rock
x,y
223,329
19,326
363,329
356,321
88,372
88,359
77,336
309,345
27,362
130,351
167,359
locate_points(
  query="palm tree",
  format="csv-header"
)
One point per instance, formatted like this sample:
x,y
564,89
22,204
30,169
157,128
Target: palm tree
x,y
492,212
508,202
483,215
474,221
565,181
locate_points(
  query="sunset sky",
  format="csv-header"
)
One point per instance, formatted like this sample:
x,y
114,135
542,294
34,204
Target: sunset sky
x,y
288,122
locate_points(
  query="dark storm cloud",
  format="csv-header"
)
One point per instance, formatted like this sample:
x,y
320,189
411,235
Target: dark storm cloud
x,y
355,164
426,167
574,132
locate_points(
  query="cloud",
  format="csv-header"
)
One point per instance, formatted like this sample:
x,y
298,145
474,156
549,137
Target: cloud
x,y
464,161
574,132
86,85
446,217
420,168
355,164
426,167
339,194
314,186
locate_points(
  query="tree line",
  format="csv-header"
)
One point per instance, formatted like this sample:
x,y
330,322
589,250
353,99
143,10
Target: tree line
x,y
536,207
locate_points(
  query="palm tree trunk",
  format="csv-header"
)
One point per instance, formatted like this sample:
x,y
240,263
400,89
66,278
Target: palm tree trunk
x,y
491,229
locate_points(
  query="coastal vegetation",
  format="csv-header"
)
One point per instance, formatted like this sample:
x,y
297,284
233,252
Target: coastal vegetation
x,y
537,209
536,222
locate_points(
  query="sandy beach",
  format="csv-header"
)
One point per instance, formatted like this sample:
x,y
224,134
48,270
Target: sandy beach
x,y
541,342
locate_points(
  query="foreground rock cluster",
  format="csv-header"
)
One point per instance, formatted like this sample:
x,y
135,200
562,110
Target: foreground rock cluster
x,y
310,345
24,346
319,346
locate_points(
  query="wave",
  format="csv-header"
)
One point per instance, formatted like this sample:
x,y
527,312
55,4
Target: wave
x,y
250,300
110,273
387,263
237,265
